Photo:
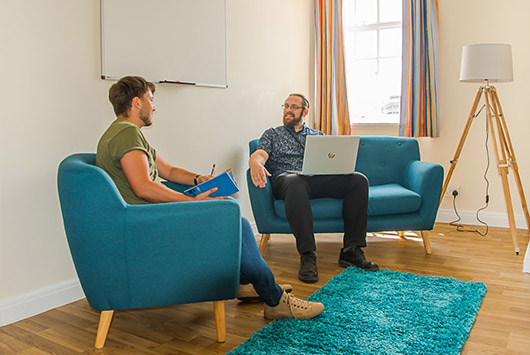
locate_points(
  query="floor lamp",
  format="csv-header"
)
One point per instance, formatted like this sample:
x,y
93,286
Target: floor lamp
x,y
485,63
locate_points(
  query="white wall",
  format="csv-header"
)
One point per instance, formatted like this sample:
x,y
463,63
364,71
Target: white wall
x,y
477,21
54,104
468,22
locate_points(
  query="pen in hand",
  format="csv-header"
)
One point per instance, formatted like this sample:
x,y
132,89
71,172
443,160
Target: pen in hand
x,y
213,169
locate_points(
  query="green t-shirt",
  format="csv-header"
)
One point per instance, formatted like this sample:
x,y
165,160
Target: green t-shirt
x,y
120,138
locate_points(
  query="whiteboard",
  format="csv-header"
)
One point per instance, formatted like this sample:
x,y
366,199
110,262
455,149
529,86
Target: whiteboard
x,y
177,41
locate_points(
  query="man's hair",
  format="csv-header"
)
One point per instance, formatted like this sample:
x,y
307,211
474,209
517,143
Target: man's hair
x,y
305,102
125,90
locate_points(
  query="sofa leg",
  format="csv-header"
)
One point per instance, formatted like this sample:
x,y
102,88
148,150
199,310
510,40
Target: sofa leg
x,y
263,242
426,242
103,328
219,309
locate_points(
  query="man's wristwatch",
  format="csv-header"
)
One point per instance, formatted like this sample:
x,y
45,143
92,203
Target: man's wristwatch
x,y
195,181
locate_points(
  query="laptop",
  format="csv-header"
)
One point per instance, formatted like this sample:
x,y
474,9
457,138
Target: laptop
x,y
330,155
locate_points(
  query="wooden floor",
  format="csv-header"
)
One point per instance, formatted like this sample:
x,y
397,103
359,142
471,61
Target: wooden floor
x,y
502,325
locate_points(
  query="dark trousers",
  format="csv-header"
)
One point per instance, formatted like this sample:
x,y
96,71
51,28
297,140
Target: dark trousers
x,y
297,190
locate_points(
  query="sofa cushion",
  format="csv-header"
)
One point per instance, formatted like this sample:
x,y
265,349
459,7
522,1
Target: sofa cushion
x,y
383,200
392,199
385,160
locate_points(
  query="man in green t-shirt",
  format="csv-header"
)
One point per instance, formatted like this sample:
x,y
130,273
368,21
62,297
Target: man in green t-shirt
x,y
136,168
124,153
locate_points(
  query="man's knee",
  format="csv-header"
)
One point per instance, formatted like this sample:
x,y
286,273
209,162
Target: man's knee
x,y
291,184
297,185
291,179
358,180
357,188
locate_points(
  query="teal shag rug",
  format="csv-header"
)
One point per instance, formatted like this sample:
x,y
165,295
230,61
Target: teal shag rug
x,y
382,312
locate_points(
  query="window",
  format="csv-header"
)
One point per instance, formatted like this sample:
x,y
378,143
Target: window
x,y
372,40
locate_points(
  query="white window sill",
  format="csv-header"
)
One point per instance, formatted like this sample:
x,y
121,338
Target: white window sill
x,y
374,125
375,129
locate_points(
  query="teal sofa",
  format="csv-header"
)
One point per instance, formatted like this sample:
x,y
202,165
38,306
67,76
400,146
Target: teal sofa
x,y
404,193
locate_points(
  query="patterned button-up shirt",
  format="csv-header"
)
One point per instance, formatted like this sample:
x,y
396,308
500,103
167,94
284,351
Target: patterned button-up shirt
x,y
285,148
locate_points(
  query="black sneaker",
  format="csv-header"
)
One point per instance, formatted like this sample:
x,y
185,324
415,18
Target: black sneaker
x,y
308,268
355,257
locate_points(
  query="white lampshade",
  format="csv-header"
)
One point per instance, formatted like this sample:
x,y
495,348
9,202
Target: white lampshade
x,y
487,61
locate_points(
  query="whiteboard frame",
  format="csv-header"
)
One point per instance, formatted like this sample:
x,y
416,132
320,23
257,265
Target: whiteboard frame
x,y
109,76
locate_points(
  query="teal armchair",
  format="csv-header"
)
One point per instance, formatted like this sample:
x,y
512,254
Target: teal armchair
x,y
135,256
404,193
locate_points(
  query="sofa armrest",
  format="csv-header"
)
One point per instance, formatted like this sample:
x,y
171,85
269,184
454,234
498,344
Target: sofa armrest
x,y
262,202
426,179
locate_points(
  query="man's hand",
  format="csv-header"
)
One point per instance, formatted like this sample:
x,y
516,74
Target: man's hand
x,y
258,172
203,178
205,195
135,166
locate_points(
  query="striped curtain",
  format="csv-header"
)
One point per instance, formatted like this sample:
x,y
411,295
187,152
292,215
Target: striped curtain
x,y
331,98
419,89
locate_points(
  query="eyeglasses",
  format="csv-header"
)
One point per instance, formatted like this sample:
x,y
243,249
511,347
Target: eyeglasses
x,y
293,107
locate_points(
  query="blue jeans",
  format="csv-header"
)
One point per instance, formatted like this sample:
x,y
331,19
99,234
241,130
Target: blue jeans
x,y
255,270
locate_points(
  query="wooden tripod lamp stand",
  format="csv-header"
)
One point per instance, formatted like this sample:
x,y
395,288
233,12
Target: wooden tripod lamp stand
x,y
485,63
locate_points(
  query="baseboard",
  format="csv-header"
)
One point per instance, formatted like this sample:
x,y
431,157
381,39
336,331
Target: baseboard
x,y
39,301
469,217
526,262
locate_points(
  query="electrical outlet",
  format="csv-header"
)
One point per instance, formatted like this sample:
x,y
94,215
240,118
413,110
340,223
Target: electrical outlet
x,y
450,189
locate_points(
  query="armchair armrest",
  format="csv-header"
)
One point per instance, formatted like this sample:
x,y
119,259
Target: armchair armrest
x,y
177,253
196,244
175,186
425,179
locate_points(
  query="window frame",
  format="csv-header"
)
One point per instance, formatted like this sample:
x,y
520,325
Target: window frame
x,y
377,27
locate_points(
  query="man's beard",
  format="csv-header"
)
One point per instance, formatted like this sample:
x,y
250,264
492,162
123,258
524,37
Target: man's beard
x,y
146,119
294,121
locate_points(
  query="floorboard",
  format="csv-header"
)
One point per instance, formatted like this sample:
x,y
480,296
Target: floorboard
x,y
502,325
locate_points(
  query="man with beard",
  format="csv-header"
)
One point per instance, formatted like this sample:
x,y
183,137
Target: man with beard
x,y
283,149
136,168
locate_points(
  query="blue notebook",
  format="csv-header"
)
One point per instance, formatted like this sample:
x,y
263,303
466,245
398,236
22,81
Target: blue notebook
x,y
225,183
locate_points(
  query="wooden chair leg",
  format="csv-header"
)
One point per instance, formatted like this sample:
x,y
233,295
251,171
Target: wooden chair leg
x,y
103,328
263,242
426,242
219,309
